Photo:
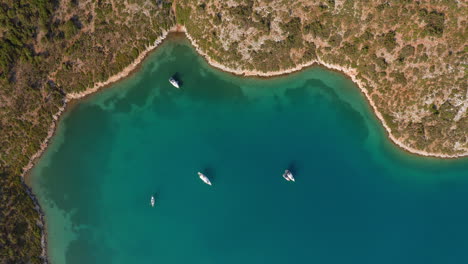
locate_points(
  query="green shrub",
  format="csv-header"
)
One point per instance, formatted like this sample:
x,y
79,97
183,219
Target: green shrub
x,y
183,14
434,22
317,30
398,77
389,40
406,51
69,29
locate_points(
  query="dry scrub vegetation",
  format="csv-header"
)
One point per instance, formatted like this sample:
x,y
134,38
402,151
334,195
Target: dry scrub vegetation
x,y
47,49
411,56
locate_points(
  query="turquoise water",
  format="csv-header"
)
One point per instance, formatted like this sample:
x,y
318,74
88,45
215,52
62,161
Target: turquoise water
x,y
356,199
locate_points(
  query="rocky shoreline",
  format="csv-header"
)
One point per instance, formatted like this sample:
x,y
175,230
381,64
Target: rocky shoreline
x,y
78,95
351,73
56,117
41,222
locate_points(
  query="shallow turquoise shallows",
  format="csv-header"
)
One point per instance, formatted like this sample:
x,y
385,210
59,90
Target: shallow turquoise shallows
x,y
357,198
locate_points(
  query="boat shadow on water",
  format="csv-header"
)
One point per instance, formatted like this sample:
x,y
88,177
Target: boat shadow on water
x,y
210,173
178,77
156,194
294,168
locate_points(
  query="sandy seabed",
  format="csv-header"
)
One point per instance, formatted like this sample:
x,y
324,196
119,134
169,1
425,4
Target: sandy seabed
x,y
351,73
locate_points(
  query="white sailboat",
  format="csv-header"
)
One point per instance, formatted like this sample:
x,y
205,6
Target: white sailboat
x,y
174,82
204,178
152,201
287,175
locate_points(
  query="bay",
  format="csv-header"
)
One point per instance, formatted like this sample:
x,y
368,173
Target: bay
x,y
357,197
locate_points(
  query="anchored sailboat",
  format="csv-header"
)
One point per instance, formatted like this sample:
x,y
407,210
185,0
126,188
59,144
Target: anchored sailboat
x,y
287,175
204,178
174,82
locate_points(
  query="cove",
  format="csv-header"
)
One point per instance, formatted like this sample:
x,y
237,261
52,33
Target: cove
x,y
357,197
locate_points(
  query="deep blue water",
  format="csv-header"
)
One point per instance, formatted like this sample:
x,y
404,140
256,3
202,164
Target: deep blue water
x,y
357,198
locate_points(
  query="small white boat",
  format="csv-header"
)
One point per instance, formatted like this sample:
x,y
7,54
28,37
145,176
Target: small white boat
x,y
174,82
287,175
204,178
153,201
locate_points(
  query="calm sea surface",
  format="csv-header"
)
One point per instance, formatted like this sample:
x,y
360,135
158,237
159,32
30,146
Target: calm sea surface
x,y
357,198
